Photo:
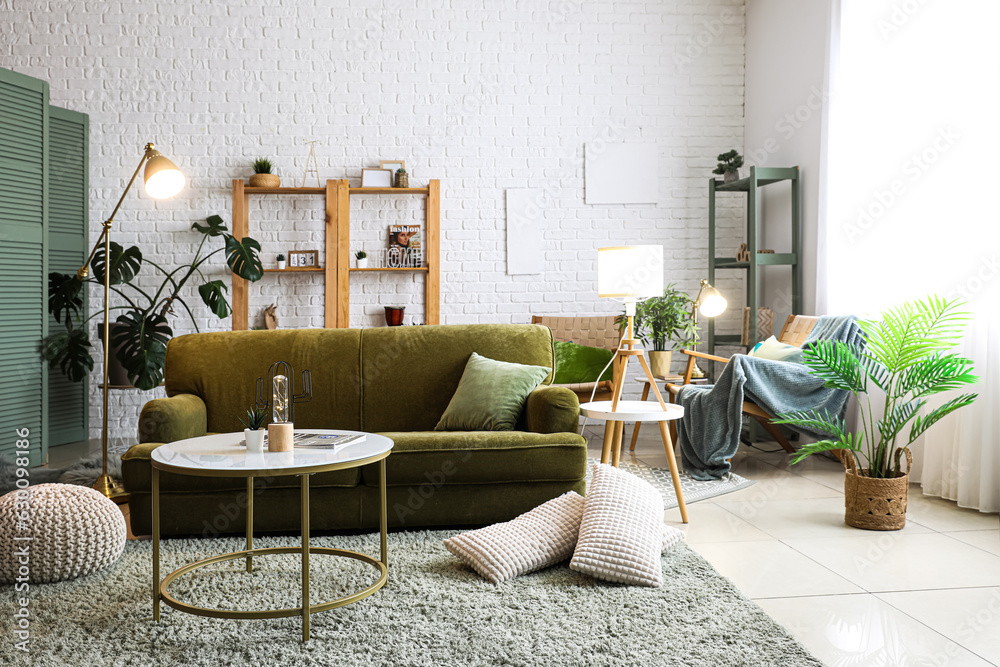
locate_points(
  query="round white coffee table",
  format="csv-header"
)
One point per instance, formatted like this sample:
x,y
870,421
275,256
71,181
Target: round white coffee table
x,y
222,455
637,411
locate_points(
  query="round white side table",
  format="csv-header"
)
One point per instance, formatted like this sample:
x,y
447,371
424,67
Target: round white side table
x,y
638,411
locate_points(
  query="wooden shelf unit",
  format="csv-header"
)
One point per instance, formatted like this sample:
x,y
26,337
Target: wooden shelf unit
x,y
336,273
341,216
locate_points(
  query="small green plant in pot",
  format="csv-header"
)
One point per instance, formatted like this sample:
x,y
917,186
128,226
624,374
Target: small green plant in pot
x,y
280,259
263,174
729,166
361,257
660,320
253,428
906,358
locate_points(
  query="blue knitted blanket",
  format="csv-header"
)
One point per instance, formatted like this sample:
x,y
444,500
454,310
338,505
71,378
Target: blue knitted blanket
x,y
709,432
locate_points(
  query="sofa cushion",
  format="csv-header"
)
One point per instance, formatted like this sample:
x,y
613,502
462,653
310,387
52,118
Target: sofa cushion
x,y
222,368
481,457
137,473
411,373
491,395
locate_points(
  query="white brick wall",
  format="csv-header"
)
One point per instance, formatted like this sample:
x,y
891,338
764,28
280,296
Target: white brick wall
x,y
483,95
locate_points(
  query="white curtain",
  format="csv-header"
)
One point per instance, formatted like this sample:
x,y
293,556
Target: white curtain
x,y
912,147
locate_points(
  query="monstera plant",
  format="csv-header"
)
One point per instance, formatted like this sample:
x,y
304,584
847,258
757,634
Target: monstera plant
x,y
139,337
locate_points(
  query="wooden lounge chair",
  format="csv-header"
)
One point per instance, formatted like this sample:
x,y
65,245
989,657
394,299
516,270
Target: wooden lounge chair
x,y
795,332
595,331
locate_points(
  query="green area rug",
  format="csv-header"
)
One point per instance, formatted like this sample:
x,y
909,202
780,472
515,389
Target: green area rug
x,y
433,611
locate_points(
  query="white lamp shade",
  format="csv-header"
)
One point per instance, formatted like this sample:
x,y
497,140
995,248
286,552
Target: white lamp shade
x,y
630,272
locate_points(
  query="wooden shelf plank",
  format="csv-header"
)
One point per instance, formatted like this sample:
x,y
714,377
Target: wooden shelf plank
x,y
297,269
389,191
284,191
392,268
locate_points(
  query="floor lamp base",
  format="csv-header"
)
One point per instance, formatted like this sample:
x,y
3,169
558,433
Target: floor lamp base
x,y
110,488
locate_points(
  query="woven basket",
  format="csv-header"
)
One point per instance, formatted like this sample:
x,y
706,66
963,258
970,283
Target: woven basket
x,y
873,503
265,181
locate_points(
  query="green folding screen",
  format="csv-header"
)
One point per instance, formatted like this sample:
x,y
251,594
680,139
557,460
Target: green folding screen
x,y
69,147
44,162
24,132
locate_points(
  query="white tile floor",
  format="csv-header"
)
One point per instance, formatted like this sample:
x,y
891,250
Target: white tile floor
x,y
926,595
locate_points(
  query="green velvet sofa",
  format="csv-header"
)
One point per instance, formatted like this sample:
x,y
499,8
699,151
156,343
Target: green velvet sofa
x,y
396,381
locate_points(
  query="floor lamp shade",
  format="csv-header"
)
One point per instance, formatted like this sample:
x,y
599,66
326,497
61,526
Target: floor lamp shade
x,y
162,177
630,272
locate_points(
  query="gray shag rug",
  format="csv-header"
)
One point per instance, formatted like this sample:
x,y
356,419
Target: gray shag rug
x,y
433,611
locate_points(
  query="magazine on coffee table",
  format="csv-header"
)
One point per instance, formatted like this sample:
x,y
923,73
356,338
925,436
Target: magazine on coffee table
x,y
326,440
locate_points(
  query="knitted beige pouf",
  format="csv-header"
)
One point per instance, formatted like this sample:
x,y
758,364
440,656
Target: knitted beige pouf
x,y
52,532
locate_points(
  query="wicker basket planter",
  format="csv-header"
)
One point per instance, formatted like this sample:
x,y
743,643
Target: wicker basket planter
x,y
873,503
265,181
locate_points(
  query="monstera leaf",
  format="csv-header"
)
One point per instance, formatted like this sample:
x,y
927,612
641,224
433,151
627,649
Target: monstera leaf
x,y
125,264
142,347
65,296
216,226
242,258
70,352
212,294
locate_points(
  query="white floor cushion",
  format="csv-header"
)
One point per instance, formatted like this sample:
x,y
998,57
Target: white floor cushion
x,y
622,533
537,539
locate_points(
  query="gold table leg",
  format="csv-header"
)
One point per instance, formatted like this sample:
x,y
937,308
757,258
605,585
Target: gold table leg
x,y
156,544
616,445
608,437
305,557
250,522
383,519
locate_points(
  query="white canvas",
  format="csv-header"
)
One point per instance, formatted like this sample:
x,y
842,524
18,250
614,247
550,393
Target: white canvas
x,y
525,224
621,173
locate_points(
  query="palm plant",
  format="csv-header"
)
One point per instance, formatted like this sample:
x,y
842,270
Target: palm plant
x,y
664,318
906,356
142,331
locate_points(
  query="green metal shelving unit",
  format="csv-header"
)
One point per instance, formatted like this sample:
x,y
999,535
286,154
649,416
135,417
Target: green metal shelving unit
x,y
759,177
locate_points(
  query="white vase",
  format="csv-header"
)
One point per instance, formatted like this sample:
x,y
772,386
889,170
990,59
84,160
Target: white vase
x,y
255,440
281,265
363,263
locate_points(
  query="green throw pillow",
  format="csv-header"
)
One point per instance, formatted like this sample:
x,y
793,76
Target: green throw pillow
x,y
578,363
490,395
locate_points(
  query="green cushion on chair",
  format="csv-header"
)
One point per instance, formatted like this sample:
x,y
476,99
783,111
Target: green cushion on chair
x,y
490,395
578,363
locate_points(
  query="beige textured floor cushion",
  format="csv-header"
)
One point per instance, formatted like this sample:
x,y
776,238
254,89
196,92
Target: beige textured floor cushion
x,y
52,532
620,533
537,539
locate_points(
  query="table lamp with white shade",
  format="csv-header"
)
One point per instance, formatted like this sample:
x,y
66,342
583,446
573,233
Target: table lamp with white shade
x,y
630,274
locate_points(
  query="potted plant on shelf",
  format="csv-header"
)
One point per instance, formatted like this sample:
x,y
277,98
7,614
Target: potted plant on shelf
x,y
281,262
729,166
139,335
661,319
402,178
906,357
361,258
263,174
253,429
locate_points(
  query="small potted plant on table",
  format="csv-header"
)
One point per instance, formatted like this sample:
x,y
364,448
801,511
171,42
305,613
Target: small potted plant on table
x,y
361,257
254,431
906,357
281,262
729,166
263,174
663,319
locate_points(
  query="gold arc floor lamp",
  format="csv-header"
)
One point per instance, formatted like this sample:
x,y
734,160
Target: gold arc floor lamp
x,y
162,180
709,303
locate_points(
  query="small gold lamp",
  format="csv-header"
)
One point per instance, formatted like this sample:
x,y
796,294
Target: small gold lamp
x,y
709,303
